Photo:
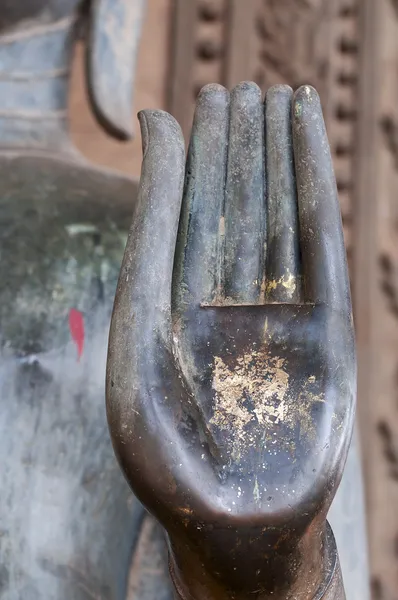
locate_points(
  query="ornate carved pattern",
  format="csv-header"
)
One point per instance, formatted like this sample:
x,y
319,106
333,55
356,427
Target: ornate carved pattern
x,y
342,113
388,283
377,589
198,53
387,368
288,32
394,4
380,157
210,43
316,42
390,449
389,128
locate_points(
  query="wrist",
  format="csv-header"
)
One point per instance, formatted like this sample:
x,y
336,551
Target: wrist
x,y
311,581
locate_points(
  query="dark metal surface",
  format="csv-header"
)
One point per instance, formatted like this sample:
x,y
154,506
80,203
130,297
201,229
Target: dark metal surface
x,y
231,366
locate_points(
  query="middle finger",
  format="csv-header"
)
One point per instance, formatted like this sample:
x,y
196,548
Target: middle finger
x,y
245,197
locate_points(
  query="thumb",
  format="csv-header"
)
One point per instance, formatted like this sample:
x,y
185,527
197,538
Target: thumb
x,y
142,308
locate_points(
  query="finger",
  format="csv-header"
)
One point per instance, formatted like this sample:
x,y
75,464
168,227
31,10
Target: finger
x,y
283,253
245,198
198,255
321,234
143,298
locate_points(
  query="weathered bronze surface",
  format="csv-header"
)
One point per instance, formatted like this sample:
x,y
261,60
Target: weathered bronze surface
x,y
231,365
68,522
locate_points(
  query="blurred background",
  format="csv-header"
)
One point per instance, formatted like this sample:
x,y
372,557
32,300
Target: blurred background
x,y
347,49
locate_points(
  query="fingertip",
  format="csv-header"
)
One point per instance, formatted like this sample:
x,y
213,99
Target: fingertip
x,y
159,127
307,94
309,129
279,93
213,95
211,89
278,101
322,247
159,122
246,92
244,209
306,103
144,131
210,125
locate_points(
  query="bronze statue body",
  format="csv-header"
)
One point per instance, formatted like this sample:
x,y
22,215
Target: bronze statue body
x,y
68,522
231,378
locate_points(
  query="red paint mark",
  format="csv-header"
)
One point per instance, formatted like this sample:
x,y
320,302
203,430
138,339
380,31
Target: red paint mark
x,y
76,328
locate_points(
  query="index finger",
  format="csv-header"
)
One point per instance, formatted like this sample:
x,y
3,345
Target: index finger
x,y
325,272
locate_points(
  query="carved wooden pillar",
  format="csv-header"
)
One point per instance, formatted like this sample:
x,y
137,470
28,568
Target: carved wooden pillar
x,y
377,283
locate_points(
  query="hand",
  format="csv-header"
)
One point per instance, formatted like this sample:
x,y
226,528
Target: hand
x,y
231,377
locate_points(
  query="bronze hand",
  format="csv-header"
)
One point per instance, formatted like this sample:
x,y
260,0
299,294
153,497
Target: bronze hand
x,y
231,377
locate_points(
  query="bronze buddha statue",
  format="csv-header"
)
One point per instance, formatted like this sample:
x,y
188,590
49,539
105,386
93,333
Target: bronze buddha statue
x,y
68,522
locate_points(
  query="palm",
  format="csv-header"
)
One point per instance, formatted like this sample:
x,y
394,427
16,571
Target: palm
x,y
267,391
231,375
